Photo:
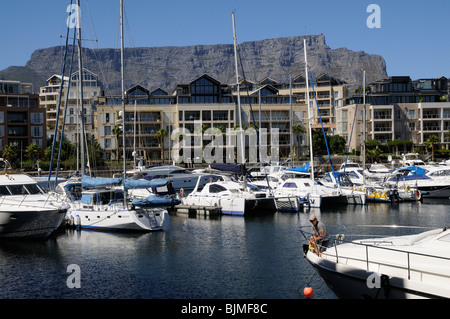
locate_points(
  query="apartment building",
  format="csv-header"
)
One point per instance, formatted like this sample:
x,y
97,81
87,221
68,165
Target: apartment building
x,y
397,108
50,98
22,120
145,114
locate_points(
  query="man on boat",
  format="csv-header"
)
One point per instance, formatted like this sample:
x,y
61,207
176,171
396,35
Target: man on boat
x,y
319,239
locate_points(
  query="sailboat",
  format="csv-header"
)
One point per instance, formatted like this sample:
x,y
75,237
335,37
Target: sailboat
x,y
306,187
104,203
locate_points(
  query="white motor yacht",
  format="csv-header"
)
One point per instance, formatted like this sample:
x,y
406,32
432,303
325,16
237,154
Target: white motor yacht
x,y
234,197
26,211
398,267
181,178
431,181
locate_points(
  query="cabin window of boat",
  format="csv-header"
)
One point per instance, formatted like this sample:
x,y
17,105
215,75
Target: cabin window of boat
x,y
290,185
352,174
327,178
4,191
214,188
17,189
34,189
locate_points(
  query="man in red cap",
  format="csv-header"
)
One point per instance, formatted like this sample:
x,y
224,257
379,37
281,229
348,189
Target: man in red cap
x,y
319,239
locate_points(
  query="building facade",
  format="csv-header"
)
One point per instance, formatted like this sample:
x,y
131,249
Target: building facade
x,y
397,108
22,120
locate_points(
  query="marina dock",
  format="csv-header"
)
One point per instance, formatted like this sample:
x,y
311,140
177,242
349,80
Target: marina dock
x,y
198,210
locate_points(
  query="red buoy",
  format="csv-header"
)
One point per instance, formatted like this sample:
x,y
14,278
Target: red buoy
x,y
308,291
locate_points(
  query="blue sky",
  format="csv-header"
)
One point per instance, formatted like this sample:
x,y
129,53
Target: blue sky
x,y
413,37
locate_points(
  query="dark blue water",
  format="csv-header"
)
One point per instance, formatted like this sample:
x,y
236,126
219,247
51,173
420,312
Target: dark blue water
x,y
255,257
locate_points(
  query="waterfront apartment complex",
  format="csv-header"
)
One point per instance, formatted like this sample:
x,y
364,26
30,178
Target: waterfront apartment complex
x,y
22,120
397,108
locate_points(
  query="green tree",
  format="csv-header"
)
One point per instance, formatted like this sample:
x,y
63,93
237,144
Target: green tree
x,y
431,142
32,151
161,134
337,144
298,130
10,153
117,131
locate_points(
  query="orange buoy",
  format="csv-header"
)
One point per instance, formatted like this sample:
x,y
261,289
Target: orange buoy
x,y
308,291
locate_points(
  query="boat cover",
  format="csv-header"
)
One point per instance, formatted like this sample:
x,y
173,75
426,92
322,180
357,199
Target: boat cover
x,y
131,183
156,201
87,181
299,169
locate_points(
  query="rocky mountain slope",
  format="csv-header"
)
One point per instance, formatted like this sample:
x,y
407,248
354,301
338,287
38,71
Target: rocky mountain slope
x,y
165,67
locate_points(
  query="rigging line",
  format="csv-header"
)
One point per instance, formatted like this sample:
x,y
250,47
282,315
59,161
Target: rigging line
x,y
65,106
354,119
323,130
63,67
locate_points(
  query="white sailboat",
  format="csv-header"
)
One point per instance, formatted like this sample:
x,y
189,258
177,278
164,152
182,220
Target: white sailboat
x,y
306,188
104,203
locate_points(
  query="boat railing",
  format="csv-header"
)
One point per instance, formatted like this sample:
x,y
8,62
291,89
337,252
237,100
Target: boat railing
x,y
410,263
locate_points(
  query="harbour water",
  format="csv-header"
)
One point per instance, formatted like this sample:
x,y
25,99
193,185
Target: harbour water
x,y
227,257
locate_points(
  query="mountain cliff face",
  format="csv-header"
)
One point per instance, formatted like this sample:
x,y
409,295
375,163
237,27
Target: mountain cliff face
x,y
165,67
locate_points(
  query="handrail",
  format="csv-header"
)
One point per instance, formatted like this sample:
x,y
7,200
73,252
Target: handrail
x,y
367,260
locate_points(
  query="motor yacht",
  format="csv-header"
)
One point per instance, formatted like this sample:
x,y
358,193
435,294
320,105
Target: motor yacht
x,y
26,211
181,178
394,267
234,197
431,181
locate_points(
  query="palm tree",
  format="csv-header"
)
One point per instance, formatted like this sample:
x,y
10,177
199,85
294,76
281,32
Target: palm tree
x,y
10,152
117,131
298,130
430,142
161,134
32,152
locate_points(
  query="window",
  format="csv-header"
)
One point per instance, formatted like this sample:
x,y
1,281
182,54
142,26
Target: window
x,y
215,188
37,118
37,131
204,86
412,114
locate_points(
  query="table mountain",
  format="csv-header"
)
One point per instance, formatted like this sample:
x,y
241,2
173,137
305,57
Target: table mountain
x,y
165,67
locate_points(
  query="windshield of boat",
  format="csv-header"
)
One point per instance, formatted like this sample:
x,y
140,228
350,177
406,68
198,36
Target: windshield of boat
x,y
24,189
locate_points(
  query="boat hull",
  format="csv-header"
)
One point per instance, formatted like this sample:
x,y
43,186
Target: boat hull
x,y
120,220
30,224
352,283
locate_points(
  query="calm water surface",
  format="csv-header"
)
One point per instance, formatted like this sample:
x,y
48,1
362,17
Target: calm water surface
x,y
196,258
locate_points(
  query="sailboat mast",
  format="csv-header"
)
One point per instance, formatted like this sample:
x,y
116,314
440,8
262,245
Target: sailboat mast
x,y
238,91
291,139
123,88
80,87
309,112
364,126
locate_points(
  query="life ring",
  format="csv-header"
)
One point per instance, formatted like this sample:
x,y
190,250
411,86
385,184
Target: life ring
x,y
181,192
